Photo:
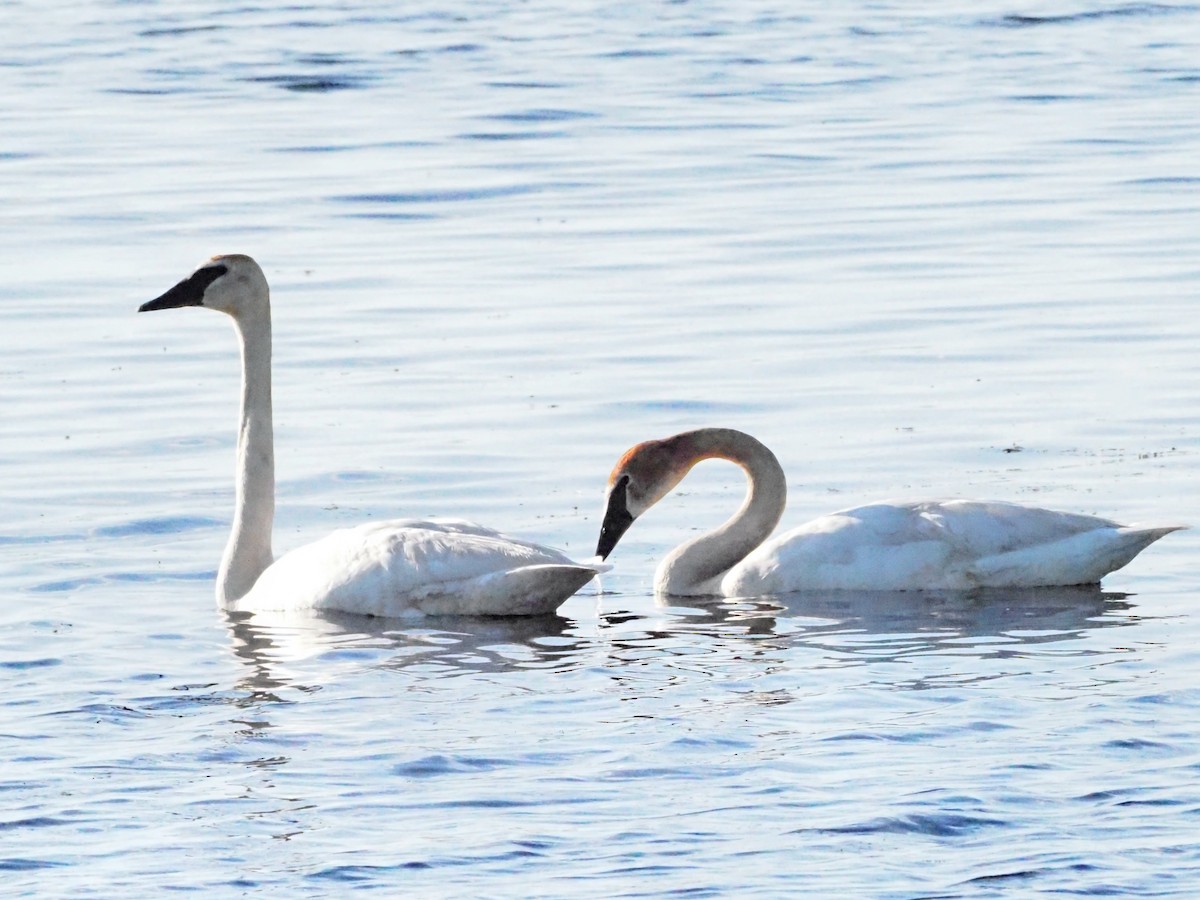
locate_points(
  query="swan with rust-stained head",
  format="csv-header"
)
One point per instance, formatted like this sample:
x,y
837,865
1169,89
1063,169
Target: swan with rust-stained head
x,y
892,546
392,568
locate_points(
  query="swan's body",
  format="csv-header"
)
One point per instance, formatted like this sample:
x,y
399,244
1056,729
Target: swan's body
x,y
389,568
940,545
892,546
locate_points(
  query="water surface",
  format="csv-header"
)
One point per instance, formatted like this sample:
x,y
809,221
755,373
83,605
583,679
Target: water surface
x,y
918,252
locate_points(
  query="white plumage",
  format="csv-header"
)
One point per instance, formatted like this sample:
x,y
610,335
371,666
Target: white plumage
x,y
931,544
433,566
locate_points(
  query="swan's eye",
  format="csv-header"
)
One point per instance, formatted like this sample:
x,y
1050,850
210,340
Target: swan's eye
x,y
618,495
202,278
206,276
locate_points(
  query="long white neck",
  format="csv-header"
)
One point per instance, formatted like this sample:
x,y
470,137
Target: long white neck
x,y
697,566
248,552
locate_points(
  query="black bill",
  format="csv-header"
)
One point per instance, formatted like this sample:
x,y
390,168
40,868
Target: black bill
x,y
189,292
616,519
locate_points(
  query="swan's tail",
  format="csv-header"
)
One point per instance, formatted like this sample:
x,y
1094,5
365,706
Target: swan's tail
x,y
1082,558
1139,537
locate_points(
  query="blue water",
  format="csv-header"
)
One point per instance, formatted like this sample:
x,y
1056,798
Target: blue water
x,y
930,251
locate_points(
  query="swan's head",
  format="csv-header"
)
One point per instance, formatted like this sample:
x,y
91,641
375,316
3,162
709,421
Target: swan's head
x,y
233,284
642,477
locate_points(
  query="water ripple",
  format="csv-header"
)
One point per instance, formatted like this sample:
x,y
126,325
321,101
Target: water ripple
x,y
30,663
179,30
24,865
510,135
541,115
312,85
931,824
438,764
34,822
160,525
120,578
450,195
1131,10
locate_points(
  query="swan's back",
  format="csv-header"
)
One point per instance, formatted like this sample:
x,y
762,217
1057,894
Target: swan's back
x,y
419,566
954,544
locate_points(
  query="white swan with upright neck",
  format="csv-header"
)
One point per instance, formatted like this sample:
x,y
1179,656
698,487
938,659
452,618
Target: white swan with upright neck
x,y
391,568
892,546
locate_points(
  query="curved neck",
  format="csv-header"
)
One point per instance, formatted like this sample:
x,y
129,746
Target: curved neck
x,y
697,566
248,552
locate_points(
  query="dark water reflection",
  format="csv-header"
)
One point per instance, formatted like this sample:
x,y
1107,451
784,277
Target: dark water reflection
x,y
794,641
851,627
924,619
445,646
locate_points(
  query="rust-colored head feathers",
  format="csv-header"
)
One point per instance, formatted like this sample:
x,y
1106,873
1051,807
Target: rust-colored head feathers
x,y
653,468
644,475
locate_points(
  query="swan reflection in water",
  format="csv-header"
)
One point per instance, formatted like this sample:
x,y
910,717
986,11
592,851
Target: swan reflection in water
x,y
851,626
888,624
283,648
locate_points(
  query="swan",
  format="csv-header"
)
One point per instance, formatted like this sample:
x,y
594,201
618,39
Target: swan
x,y
891,546
393,568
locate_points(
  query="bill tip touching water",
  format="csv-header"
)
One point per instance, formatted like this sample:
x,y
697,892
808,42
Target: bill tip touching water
x,y
888,546
390,568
